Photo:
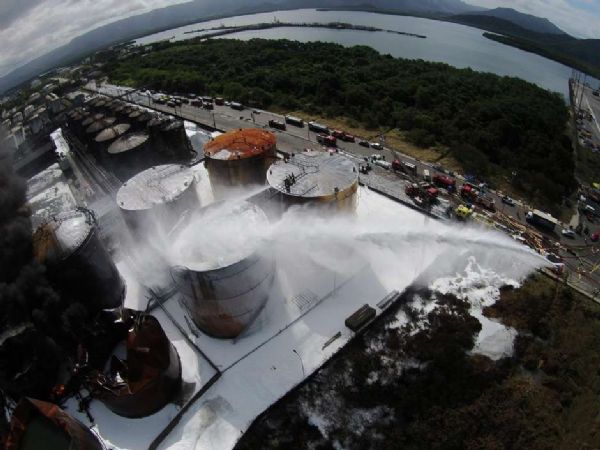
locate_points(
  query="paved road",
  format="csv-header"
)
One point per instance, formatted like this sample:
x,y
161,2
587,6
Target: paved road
x,y
296,139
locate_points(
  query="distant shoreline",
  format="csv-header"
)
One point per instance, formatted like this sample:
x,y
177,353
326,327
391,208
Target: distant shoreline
x,y
222,31
502,38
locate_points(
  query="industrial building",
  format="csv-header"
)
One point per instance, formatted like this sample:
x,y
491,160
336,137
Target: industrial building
x,y
239,158
327,179
224,276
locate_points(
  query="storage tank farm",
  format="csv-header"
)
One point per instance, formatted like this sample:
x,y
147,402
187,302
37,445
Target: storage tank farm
x,y
77,263
324,179
224,277
239,158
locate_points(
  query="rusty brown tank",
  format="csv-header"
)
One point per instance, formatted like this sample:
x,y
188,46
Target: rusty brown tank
x,y
239,158
37,425
224,278
148,379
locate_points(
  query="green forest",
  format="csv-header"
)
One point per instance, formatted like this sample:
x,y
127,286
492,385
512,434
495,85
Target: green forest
x,y
496,127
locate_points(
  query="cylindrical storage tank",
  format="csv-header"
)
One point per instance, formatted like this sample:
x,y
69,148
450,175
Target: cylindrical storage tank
x,y
133,117
320,178
88,120
130,154
154,126
143,119
223,268
101,106
39,425
152,375
78,265
80,123
172,143
100,125
113,132
120,111
91,103
153,201
103,139
239,158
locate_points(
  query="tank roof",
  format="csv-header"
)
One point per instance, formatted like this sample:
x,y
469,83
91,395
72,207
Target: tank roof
x,y
88,120
144,117
171,124
157,121
230,233
62,235
155,186
240,144
313,174
128,142
113,132
100,125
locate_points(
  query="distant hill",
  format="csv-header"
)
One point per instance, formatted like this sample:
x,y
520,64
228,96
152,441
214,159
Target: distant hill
x,y
196,11
527,21
508,27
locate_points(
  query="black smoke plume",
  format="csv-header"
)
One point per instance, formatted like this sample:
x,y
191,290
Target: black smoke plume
x,y
24,290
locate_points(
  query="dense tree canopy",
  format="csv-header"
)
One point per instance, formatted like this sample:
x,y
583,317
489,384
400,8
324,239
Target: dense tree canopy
x,y
493,125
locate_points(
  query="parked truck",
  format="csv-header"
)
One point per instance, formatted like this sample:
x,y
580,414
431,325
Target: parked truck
x,y
325,139
295,121
541,220
318,128
278,124
444,181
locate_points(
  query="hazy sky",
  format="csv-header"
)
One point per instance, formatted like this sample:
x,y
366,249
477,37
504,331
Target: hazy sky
x,y
580,18
30,28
